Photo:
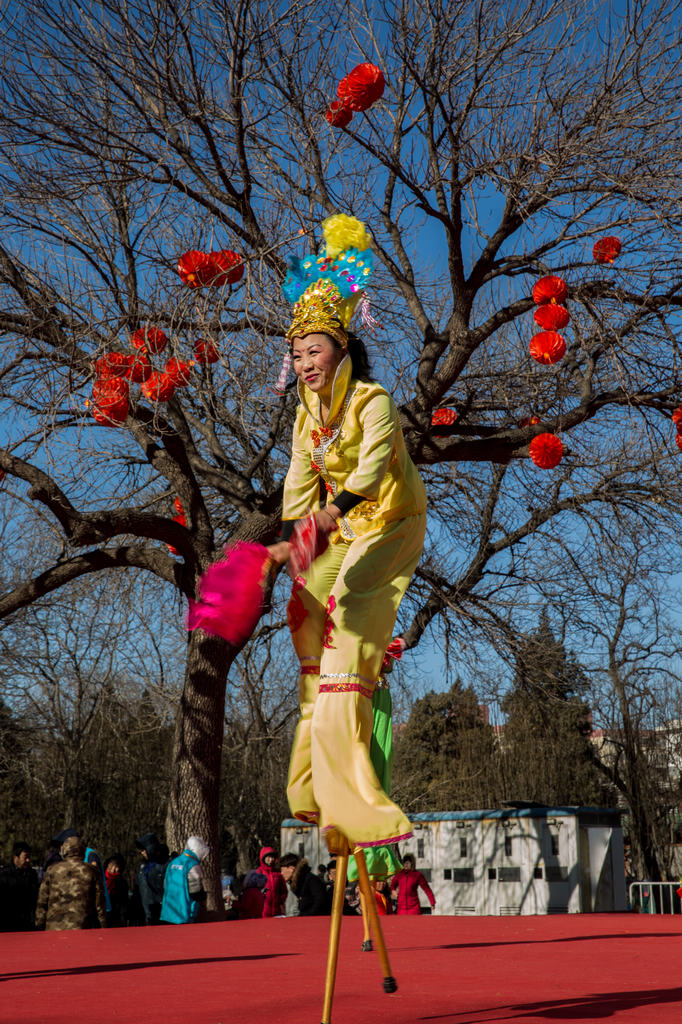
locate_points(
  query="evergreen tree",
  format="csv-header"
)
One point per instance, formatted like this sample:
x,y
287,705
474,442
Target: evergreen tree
x,y
445,754
546,747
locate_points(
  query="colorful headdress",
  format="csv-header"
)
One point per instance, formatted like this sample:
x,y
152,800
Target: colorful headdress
x,y
326,288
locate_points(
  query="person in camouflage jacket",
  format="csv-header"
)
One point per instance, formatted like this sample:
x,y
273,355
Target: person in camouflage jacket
x,y
71,894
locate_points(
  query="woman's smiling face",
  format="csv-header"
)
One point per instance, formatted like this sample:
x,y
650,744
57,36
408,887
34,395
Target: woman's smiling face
x,y
315,360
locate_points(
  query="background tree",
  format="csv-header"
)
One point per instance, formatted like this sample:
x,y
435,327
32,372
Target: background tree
x,y
509,138
445,754
636,687
91,716
259,722
546,749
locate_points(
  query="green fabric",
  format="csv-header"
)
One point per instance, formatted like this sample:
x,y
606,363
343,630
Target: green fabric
x,y
382,861
381,746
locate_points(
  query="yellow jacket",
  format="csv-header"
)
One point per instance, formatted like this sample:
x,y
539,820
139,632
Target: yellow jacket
x,y
360,449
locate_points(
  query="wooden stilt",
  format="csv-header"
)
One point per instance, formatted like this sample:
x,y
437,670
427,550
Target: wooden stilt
x,y
367,945
366,888
334,933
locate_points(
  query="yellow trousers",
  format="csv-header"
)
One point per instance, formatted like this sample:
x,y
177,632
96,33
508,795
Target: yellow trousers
x,y
341,619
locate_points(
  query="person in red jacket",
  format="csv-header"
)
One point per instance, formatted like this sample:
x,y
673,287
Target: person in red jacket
x,y
268,879
382,895
408,882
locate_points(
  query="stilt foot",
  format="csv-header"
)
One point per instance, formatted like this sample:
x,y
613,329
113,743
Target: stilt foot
x,y
367,946
390,985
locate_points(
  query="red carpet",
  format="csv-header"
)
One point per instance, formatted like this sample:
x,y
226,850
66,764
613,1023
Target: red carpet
x,y
450,970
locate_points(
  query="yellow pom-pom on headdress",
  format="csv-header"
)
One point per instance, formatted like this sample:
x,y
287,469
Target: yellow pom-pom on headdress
x,y
326,289
344,232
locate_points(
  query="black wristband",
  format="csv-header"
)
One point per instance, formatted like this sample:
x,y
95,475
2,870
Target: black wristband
x,y
288,526
346,500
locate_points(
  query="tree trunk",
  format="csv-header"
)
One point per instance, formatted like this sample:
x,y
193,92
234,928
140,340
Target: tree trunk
x,y
193,808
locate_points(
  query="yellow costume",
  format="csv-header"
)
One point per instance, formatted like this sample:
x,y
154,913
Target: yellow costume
x,y
342,615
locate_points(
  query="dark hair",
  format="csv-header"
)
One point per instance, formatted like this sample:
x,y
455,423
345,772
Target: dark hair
x,y
289,860
359,358
19,848
411,858
116,858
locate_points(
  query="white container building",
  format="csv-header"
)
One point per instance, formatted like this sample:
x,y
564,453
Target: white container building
x,y
531,860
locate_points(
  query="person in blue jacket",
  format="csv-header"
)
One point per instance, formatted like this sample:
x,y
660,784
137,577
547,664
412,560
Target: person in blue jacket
x,y
183,888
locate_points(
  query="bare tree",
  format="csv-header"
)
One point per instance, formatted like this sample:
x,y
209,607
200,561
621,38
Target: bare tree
x,y
509,138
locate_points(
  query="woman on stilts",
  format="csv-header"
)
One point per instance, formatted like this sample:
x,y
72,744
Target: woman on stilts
x,y
347,444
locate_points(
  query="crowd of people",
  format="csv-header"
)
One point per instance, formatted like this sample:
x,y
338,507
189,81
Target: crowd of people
x,y
294,889
74,888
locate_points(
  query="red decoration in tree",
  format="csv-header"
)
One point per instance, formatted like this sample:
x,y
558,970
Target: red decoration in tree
x,y
152,339
178,371
198,269
361,87
678,441
110,404
551,317
339,115
159,387
140,368
547,347
549,289
182,521
529,421
194,268
442,418
606,250
677,416
113,364
177,505
111,389
2,475
228,268
205,352
546,451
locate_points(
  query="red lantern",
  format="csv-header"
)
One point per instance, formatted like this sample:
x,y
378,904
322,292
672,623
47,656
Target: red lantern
x,y
605,250
361,87
549,289
178,371
113,364
110,404
194,268
205,351
227,267
177,505
110,389
152,339
678,441
551,317
159,387
112,416
442,418
140,368
210,268
339,115
529,421
546,451
547,347
677,415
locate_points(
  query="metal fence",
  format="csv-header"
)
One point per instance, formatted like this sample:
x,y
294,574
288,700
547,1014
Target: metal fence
x,y
655,897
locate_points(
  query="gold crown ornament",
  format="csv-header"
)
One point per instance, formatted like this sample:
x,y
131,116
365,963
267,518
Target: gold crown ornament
x,y
326,288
